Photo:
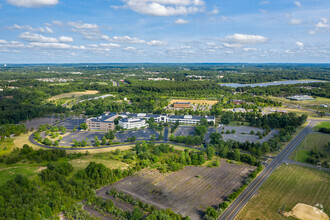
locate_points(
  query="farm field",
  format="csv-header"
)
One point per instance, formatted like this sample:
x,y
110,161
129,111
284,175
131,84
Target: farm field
x,y
195,101
286,187
313,140
188,191
73,94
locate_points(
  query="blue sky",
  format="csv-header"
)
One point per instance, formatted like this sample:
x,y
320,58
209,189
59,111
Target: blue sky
x,y
108,31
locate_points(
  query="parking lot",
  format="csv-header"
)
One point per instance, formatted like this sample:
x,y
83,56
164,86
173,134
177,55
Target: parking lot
x,y
143,134
79,136
242,133
72,122
184,131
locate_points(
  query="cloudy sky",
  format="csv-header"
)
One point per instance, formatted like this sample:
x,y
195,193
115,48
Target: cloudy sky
x,y
71,31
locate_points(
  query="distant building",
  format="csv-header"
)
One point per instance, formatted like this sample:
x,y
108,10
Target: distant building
x,y
130,123
324,105
300,97
104,122
181,104
237,102
158,79
243,110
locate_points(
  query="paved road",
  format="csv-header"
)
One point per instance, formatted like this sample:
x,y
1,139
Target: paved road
x,y
166,134
250,191
31,139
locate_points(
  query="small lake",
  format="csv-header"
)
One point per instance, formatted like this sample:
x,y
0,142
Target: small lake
x,y
288,82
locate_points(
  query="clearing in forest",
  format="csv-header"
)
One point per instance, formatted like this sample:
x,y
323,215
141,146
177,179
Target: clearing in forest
x,y
195,101
73,94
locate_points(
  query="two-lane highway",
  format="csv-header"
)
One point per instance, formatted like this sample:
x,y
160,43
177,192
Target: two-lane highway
x,y
250,191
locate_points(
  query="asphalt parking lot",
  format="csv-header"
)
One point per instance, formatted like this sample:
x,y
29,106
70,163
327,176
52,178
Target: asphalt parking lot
x,y
72,122
184,131
142,134
79,136
242,133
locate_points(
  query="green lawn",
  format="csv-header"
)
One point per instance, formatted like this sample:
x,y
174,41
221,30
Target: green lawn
x,y
325,124
8,172
287,186
313,140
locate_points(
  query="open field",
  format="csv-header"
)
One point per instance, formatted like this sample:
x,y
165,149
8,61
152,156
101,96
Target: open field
x,y
102,150
313,140
188,191
195,101
83,162
73,94
287,186
7,172
310,114
22,139
317,101
325,124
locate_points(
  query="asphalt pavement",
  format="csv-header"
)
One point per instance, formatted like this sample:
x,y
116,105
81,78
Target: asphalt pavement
x,y
251,190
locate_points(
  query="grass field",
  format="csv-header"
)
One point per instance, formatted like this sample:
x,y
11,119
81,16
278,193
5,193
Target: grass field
x,y
287,186
83,162
195,101
317,101
73,94
325,124
8,172
314,140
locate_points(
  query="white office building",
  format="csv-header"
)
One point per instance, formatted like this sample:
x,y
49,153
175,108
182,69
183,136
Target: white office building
x,y
130,123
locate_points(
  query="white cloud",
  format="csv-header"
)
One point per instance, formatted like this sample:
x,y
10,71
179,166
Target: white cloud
x,y
232,45
129,49
110,45
57,22
211,43
81,25
32,37
323,24
294,21
28,36
3,41
246,39
32,3
249,49
21,27
299,44
263,11
164,7
215,11
65,39
47,30
50,45
181,21
298,3
157,43
128,39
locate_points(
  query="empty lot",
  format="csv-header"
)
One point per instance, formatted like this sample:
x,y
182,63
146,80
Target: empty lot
x,y
188,191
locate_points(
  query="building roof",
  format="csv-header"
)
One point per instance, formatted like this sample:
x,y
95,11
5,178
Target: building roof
x,y
103,118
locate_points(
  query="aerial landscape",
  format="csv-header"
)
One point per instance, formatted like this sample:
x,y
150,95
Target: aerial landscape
x,y
165,109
